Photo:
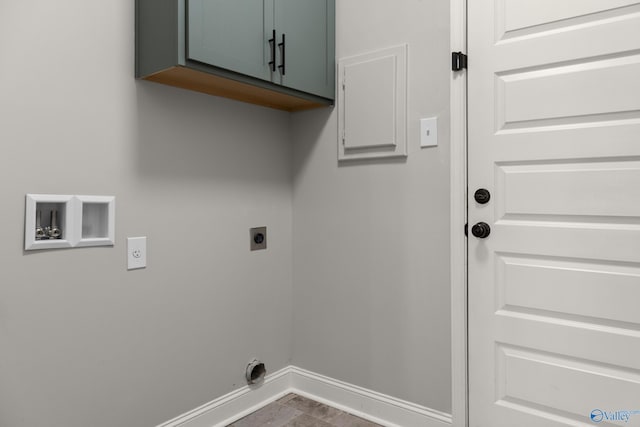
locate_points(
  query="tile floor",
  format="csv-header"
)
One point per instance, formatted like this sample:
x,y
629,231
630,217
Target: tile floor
x,y
297,411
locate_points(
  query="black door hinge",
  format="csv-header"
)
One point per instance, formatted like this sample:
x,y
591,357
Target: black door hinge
x,y
458,61
466,229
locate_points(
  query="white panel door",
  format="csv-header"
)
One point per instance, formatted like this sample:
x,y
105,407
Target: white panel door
x,y
554,290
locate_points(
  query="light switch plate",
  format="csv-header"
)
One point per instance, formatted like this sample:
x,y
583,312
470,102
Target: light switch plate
x,y
429,132
136,252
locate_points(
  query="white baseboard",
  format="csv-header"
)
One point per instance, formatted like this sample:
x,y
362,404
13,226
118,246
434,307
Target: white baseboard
x,y
237,404
373,406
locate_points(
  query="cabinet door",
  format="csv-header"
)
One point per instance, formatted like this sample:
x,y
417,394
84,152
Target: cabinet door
x,y
309,28
230,34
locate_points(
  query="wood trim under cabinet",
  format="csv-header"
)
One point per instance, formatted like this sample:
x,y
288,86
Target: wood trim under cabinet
x,y
199,81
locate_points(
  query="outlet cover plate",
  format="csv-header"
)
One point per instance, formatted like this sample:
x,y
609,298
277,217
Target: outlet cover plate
x,y
258,237
136,252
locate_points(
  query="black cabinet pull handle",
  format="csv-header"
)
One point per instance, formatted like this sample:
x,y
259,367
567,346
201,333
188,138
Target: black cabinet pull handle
x,y
284,49
272,45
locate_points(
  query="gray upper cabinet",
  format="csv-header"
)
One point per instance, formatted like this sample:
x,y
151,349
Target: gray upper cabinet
x,y
277,53
307,27
228,34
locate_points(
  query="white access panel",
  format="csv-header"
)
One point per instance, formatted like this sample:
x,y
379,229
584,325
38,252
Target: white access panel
x,y
372,104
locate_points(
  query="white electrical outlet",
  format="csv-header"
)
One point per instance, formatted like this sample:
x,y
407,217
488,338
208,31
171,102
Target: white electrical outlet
x,y
136,252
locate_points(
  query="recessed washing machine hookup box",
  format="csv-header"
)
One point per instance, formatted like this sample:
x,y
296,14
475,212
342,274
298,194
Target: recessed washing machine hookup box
x,y
55,221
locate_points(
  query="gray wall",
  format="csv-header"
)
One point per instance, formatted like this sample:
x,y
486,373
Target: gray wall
x,y
83,342
371,240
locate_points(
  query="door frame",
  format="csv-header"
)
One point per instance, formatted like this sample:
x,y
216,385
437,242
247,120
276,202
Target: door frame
x,y
458,206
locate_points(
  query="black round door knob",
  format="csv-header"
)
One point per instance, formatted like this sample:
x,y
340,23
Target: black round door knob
x,y
481,230
482,196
